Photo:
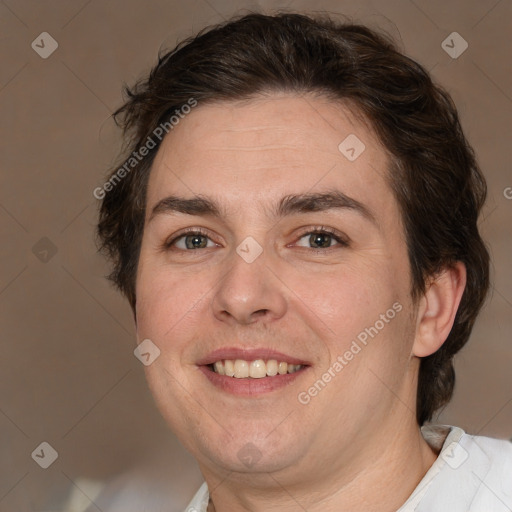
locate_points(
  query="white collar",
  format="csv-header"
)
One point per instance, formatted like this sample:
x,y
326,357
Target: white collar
x,y
465,462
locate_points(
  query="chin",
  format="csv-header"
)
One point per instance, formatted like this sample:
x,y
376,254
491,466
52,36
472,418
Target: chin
x,y
247,452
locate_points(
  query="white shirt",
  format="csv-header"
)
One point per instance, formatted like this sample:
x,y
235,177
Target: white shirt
x,y
471,474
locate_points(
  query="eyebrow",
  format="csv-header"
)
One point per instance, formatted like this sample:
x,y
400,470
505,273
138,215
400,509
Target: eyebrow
x,y
288,205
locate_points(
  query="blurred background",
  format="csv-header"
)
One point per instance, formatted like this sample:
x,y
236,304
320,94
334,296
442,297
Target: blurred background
x,y
68,375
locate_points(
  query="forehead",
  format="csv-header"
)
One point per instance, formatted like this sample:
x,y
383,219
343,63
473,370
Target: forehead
x,y
249,153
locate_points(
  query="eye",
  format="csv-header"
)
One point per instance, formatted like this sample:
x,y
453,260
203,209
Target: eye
x,y
321,238
193,239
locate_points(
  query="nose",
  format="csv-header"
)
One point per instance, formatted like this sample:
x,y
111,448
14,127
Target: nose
x,y
249,292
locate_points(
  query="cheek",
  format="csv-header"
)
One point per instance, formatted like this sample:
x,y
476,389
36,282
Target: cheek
x,y
364,310
165,300
168,313
345,297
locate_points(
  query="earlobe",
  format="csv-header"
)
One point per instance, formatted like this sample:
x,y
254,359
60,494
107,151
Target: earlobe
x,y
437,309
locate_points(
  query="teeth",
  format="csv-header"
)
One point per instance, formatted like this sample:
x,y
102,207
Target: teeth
x,y
229,368
241,369
257,369
219,368
272,368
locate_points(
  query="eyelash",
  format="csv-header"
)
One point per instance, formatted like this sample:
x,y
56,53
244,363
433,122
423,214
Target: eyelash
x,y
338,237
188,231
342,241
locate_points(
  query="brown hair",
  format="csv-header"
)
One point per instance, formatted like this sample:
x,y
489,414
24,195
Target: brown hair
x,y
434,175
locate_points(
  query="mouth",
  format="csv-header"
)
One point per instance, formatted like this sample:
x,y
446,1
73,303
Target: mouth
x,y
251,372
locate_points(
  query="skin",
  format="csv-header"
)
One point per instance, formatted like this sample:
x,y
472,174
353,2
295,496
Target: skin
x,y
356,445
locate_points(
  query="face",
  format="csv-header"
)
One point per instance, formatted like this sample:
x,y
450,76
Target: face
x,y
268,242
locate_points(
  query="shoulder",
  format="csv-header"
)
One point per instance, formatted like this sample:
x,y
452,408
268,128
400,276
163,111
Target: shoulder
x,y
490,461
472,472
499,450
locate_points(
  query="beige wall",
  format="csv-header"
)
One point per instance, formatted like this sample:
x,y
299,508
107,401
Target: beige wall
x,y
68,375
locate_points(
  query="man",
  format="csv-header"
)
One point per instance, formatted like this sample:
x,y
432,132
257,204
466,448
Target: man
x,y
295,227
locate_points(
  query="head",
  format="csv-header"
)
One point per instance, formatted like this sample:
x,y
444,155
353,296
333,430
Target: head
x,y
250,119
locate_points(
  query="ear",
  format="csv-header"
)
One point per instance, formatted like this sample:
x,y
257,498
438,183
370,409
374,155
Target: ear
x,y
437,309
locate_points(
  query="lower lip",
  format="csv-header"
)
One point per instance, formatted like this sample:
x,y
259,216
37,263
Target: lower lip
x,y
248,386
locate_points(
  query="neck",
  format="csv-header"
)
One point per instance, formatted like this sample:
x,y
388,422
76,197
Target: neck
x,y
378,478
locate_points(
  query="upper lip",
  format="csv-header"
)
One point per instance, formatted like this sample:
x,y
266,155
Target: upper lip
x,y
248,354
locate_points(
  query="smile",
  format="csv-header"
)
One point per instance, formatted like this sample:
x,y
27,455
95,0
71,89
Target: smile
x,y
251,372
256,369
